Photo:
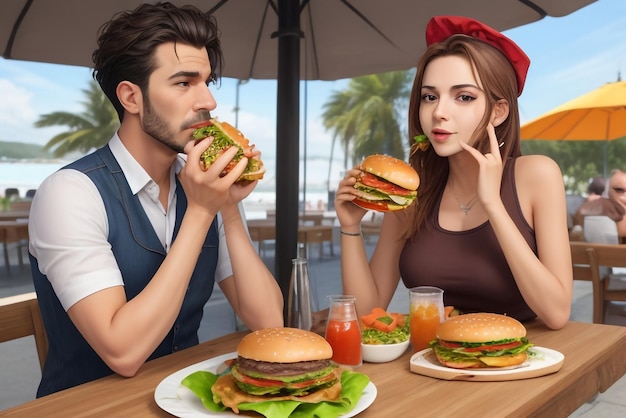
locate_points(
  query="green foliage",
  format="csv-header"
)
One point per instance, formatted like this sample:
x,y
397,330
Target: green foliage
x,y
580,160
22,151
91,129
367,117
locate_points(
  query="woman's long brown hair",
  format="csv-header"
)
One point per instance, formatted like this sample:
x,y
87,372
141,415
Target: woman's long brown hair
x,y
498,81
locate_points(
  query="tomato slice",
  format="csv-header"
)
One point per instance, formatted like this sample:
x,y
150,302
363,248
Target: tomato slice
x,y
449,344
384,186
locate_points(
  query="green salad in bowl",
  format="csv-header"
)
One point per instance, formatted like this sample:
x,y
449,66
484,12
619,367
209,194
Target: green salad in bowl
x,y
384,336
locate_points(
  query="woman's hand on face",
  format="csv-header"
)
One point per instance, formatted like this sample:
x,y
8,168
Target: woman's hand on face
x,y
490,169
348,213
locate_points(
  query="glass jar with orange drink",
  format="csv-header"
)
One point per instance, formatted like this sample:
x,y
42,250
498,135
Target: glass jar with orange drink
x,y
343,332
426,312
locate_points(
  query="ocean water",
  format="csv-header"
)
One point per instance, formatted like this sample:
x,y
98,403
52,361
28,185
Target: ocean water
x,y
29,175
26,175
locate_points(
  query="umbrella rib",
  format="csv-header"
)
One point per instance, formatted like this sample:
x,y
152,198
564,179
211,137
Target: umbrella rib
x,y
533,6
313,44
366,20
16,27
258,38
217,6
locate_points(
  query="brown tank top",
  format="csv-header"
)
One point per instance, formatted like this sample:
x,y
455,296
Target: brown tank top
x,y
469,265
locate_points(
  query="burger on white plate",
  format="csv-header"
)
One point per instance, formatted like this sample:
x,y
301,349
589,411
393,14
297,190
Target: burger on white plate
x,y
386,184
481,340
279,364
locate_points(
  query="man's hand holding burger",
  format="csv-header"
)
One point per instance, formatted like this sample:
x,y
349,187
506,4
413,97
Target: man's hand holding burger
x,y
209,190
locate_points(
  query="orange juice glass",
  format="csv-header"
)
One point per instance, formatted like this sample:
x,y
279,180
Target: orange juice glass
x,y
426,312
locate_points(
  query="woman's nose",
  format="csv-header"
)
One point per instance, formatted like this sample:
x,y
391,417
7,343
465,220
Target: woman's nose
x,y
440,111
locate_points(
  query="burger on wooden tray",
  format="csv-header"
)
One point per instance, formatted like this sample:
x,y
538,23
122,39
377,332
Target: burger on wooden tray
x,y
481,340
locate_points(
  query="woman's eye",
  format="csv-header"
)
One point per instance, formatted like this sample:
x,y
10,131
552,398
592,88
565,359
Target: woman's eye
x,y
428,98
466,98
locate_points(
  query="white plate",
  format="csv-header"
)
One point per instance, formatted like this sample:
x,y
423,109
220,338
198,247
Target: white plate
x,y
546,361
179,401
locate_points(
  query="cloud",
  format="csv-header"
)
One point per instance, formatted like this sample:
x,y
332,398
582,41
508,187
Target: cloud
x,y
16,108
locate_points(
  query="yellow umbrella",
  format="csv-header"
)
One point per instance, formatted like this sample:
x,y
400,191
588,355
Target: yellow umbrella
x,y
599,115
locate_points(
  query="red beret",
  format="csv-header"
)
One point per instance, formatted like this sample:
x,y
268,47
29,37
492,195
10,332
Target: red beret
x,y
440,28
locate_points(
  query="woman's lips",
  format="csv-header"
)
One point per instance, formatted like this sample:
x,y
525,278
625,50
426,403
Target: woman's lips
x,y
440,135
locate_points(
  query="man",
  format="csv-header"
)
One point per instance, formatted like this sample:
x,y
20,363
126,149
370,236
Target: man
x,y
617,193
127,242
596,205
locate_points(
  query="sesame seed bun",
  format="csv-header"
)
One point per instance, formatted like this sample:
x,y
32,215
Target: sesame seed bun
x,y
284,345
480,327
391,169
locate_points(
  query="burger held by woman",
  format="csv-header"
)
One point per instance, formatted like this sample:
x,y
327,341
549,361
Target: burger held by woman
x,y
488,225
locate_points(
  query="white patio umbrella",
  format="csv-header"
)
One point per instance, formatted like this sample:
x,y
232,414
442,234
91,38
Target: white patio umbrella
x,y
286,40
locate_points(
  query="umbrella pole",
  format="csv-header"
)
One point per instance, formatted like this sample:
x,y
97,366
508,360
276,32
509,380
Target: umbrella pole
x,y
605,157
287,142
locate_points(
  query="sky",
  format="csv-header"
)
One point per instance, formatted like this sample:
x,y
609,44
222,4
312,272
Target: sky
x,y
570,56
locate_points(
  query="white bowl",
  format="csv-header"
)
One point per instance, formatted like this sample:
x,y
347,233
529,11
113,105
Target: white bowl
x,y
382,353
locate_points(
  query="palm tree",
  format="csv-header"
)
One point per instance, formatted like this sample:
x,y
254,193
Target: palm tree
x,y
91,129
366,116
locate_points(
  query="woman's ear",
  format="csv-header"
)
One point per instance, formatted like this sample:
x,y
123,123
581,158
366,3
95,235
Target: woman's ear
x,y
129,95
500,112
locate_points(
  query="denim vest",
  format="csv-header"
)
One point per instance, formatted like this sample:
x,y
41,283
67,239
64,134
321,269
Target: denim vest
x,y
139,253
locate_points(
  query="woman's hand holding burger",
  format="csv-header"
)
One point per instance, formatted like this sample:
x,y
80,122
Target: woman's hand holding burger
x,y
348,213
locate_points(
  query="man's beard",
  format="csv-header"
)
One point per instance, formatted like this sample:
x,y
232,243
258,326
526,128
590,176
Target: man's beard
x,y
157,127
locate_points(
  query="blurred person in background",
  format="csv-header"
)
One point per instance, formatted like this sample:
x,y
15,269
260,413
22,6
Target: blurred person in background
x,y
617,193
597,205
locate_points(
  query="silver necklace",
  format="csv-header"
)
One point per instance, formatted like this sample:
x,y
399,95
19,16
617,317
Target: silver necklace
x,y
467,206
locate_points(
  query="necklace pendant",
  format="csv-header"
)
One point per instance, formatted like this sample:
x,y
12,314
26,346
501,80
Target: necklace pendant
x,y
465,209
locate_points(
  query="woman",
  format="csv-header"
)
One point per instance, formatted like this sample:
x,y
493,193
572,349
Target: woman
x,y
489,225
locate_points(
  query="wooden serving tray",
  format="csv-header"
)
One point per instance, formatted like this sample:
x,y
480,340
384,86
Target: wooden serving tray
x,y
544,361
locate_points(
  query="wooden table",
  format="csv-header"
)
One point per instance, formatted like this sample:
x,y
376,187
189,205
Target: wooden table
x,y
15,231
265,230
595,357
12,215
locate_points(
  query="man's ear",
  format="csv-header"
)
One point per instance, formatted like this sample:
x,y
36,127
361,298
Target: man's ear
x,y
129,95
500,112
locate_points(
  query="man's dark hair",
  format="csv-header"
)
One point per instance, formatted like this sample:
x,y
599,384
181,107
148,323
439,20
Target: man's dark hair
x,y
126,44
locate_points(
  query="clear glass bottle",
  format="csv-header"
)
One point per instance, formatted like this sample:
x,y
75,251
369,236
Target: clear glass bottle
x,y
300,303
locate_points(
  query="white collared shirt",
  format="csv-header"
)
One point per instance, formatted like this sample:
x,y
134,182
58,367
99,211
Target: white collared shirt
x,y
72,248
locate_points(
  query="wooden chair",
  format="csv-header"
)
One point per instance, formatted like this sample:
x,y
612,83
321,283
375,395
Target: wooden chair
x,y
594,262
585,267
20,317
600,230
607,258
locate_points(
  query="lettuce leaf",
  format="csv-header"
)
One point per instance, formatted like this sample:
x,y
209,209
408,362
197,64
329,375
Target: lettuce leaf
x,y
352,385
